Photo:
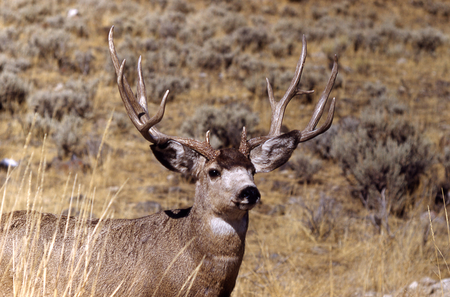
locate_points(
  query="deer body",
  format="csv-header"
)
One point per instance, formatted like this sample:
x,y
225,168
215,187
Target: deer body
x,y
157,254
137,252
190,252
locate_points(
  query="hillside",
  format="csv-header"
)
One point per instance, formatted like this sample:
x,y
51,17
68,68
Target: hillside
x,y
349,215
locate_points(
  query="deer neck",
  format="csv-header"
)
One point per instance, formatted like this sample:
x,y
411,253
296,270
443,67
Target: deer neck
x,y
217,232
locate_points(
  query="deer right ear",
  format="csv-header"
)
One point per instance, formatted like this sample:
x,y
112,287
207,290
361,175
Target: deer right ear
x,y
179,158
274,152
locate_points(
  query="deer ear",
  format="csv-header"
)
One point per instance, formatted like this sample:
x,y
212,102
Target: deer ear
x,y
179,158
274,152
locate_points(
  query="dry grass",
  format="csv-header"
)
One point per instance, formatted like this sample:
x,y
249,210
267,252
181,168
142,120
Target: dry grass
x,y
346,255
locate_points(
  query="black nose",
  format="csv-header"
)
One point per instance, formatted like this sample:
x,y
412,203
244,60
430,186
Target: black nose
x,y
251,194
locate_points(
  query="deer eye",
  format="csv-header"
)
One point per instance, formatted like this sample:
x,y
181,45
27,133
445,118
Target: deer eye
x,y
213,173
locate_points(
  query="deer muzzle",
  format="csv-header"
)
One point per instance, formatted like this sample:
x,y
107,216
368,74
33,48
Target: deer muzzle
x,y
247,198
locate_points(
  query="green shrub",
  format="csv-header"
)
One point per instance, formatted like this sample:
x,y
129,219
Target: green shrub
x,y
225,124
384,151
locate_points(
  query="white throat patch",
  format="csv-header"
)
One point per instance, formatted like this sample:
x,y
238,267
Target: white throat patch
x,y
221,227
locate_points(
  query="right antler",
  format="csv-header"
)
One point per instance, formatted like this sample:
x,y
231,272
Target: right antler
x,y
278,108
138,112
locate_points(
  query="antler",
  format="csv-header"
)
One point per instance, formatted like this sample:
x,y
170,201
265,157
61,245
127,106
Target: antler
x,y
137,109
278,108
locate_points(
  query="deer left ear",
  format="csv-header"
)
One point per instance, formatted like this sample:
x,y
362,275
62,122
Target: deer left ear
x,y
274,152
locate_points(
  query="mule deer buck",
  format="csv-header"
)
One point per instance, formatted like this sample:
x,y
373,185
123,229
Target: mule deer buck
x,y
188,252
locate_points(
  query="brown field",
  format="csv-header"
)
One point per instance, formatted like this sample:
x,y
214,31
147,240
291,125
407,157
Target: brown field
x,y
309,236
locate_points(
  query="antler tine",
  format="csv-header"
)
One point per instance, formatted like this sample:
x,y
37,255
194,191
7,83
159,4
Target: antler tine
x,y
309,131
137,109
278,108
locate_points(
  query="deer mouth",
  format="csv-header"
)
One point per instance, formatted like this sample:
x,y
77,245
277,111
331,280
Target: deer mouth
x,y
244,205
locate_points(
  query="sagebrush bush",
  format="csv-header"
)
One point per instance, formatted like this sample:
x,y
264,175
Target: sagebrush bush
x,y
248,64
180,6
8,64
427,39
321,220
255,84
43,125
279,49
8,39
384,151
77,26
225,124
233,21
255,38
220,45
160,84
170,24
374,89
305,167
68,137
83,61
48,43
72,99
121,122
13,91
323,144
33,12
57,104
209,60
444,159
286,29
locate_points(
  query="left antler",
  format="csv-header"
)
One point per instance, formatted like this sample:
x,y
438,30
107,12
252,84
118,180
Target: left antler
x,y
137,109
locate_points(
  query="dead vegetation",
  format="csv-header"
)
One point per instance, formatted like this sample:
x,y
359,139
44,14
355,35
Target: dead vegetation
x,y
311,236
